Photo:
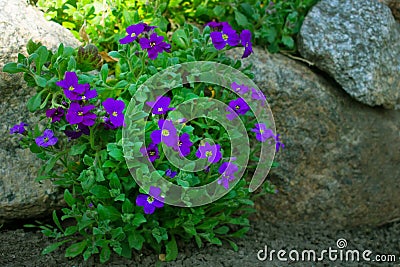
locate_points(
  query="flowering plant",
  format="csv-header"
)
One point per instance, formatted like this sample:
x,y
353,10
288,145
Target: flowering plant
x,y
139,148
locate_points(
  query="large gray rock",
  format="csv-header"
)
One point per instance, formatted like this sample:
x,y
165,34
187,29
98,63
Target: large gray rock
x,y
20,196
20,22
341,162
357,42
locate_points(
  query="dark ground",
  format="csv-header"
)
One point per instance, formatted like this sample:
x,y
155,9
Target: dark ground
x,y
23,247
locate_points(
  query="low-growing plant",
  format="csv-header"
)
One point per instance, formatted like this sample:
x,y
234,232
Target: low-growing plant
x,y
121,143
275,23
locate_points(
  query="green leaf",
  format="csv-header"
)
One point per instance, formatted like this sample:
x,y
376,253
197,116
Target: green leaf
x,y
159,234
69,199
70,230
288,42
138,219
40,81
135,240
34,102
108,213
100,191
109,164
100,175
56,221
171,249
42,59
241,19
233,245
77,149
50,163
75,249
105,254
31,46
219,11
88,160
12,67
104,72
127,206
52,247
180,39
222,230
115,54
71,64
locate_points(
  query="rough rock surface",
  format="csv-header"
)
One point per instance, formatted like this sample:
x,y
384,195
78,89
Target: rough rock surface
x,y
20,22
20,196
341,162
357,42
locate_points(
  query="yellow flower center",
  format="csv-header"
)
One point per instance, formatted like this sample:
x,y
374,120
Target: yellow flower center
x,y
71,88
46,139
133,35
165,132
225,37
152,44
83,97
115,114
261,131
209,153
160,109
150,199
152,153
80,113
237,107
179,143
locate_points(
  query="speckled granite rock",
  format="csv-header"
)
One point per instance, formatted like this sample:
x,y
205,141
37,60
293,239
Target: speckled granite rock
x,y
357,42
20,196
341,162
20,22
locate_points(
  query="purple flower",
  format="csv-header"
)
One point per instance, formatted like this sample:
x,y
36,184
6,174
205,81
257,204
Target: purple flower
x,y
227,169
279,144
47,139
114,108
87,93
72,89
184,145
226,36
151,151
154,45
18,128
258,95
55,114
90,205
245,38
240,89
167,134
149,202
160,106
262,133
170,173
238,106
133,32
211,152
217,25
78,114
82,129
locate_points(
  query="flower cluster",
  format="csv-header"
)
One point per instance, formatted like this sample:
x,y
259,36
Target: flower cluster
x,y
147,39
224,35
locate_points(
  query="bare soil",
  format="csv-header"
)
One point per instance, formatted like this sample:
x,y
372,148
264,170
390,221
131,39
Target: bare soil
x,y
22,247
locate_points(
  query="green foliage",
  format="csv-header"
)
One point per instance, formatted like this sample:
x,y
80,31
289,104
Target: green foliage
x,y
99,190
275,24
